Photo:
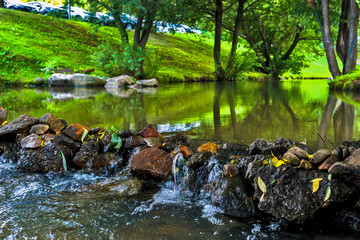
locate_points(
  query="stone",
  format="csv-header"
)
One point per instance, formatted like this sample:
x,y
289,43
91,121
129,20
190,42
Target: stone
x,y
75,80
186,152
229,151
152,142
45,159
230,170
104,143
119,81
65,71
3,115
31,141
120,187
86,71
279,147
56,125
87,152
351,165
326,165
147,83
149,131
174,141
20,136
208,147
305,164
152,162
61,139
300,153
39,81
19,125
104,160
96,130
39,129
291,159
319,156
134,141
127,133
8,151
75,131
47,138
259,146
198,159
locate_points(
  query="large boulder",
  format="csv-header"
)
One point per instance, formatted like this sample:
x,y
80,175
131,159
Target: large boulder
x,y
75,80
278,147
152,162
147,83
119,81
19,125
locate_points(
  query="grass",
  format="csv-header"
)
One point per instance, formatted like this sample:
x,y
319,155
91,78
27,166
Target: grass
x,y
318,69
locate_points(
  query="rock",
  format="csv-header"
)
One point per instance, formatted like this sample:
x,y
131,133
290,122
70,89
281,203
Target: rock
x,y
104,160
349,219
75,80
198,159
96,130
56,125
320,156
86,71
152,162
230,170
31,141
279,147
147,83
47,158
326,165
134,141
305,164
150,131
39,129
127,133
19,125
300,153
186,152
8,151
231,196
291,159
119,81
61,139
350,166
75,131
39,81
230,151
20,136
104,143
47,138
65,71
87,152
172,142
3,115
259,146
120,187
208,147
152,142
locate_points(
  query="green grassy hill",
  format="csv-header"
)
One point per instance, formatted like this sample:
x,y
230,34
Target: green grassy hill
x,y
29,43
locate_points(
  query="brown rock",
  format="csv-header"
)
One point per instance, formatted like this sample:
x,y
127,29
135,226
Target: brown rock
x,y
348,166
300,153
150,131
86,153
39,129
96,130
198,159
56,125
320,156
20,136
31,141
152,162
152,142
104,141
134,141
186,152
208,147
47,138
20,125
230,170
61,139
75,131
291,159
326,165
105,160
3,115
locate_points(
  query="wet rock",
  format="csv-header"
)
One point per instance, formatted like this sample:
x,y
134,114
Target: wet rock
x,y
326,165
47,138
20,136
127,133
39,129
291,159
279,147
75,131
61,139
47,158
300,153
230,151
134,141
186,152
147,83
104,142
174,141
305,164
152,162
320,156
86,153
3,115
8,151
19,125
259,146
350,164
119,81
31,141
152,142
232,197
56,125
104,160
208,147
230,170
120,187
96,130
150,131
349,219
198,159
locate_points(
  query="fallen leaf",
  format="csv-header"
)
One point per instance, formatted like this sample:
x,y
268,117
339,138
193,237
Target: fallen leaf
x,y
317,180
5,122
327,194
329,177
316,186
84,135
279,163
261,185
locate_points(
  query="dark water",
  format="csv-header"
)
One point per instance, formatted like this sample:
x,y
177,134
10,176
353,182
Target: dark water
x,y
53,206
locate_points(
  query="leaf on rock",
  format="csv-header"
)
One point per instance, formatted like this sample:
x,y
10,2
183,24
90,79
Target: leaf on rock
x,y
329,177
327,194
316,180
261,185
84,135
64,161
279,163
116,141
316,184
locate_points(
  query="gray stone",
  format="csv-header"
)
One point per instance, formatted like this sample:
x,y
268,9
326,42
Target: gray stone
x,y
56,125
119,187
86,153
31,141
39,129
75,80
19,125
300,153
320,156
119,81
147,83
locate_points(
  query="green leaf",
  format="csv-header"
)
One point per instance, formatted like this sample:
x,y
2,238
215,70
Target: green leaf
x,y
84,135
329,177
64,161
261,185
116,141
327,194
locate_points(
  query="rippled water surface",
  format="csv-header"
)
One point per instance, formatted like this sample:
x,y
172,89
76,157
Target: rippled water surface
x,y
56,206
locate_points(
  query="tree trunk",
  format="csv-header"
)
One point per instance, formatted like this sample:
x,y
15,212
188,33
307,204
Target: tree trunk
x,y
2,4
217,44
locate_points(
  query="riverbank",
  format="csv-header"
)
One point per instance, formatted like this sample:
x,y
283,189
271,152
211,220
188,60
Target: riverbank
x,y
283,179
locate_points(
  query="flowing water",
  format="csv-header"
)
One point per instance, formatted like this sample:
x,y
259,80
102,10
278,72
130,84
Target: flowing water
x,y
57,206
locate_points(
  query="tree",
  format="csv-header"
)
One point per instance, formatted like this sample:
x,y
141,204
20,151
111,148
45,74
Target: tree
x,y
346,44
2,4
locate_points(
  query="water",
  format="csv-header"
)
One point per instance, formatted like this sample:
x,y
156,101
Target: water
x,y
57,206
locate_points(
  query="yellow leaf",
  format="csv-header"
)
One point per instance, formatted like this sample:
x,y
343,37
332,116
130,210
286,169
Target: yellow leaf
x,y
310,156
261,185
42,143
279,163
327,194
316,180
265,162
274,161
316,186
5,122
